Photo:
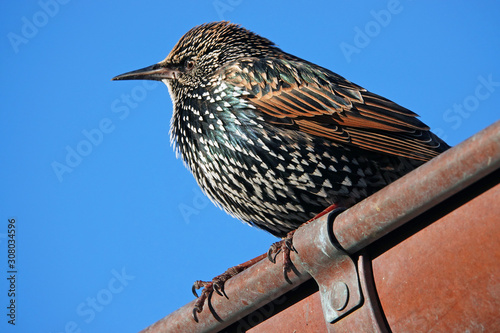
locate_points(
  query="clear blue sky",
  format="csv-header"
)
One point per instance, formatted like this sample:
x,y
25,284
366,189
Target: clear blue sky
x,y
113,240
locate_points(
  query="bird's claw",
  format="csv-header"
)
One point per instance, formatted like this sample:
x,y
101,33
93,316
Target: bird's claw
x,y
285,246
289,245
273,252
197,285
217,285
207,290
195,313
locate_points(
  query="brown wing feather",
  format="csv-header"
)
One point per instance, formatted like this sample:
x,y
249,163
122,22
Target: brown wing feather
x,y
321,103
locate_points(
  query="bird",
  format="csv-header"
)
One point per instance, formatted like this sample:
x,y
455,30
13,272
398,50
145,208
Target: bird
x,y
274,139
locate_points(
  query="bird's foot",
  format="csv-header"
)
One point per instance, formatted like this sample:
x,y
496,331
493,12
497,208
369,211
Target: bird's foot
x,y
217,284
284,246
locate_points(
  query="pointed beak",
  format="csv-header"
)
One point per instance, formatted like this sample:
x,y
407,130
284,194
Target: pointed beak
x,y
156,72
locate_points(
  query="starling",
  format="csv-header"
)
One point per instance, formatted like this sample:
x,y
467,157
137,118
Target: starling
x,y
274,139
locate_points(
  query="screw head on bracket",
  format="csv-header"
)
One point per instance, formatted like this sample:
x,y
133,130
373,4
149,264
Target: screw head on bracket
x,y
340,295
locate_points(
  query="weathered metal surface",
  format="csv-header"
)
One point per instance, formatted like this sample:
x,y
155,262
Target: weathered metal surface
x,y
306,315
446,277
333,270
368,317
418,191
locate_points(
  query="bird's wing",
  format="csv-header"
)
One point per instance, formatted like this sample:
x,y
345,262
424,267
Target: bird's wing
x,y
313,100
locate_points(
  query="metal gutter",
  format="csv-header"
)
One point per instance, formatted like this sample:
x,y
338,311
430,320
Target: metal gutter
x,y
420,190
322,247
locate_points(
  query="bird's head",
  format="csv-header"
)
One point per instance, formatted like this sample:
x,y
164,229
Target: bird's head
x,y
201,52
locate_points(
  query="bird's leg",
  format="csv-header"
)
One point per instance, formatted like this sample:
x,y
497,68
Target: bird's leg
x,y
285,245
217,284
330,209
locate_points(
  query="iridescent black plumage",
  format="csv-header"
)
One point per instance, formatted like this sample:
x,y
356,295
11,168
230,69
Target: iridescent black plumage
x,y
274,139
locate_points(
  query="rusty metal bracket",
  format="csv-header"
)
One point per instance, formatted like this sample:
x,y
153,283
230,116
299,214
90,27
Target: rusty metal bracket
x,y
330,266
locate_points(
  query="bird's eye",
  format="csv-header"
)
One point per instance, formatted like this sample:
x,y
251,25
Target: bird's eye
x,y
189,64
